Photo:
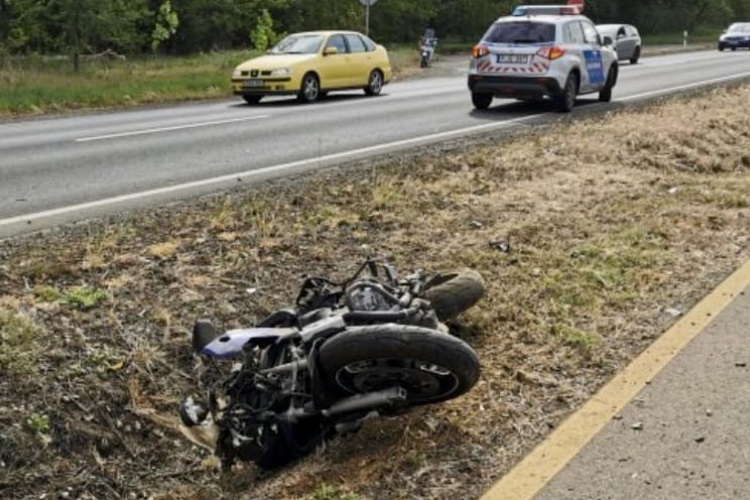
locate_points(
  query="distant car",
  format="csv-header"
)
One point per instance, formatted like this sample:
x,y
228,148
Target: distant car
x,y
738,35
626,40
542,51
309,65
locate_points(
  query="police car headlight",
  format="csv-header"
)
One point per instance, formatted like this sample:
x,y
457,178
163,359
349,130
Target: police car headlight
x,y
281,72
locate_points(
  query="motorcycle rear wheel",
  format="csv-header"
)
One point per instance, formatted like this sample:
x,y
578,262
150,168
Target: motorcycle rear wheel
x,y
431,366
453,293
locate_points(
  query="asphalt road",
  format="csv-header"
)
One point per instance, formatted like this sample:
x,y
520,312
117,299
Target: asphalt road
x,y
685,437
69,168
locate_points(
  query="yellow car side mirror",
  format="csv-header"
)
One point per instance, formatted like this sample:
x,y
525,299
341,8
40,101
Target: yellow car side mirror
x,y
330,51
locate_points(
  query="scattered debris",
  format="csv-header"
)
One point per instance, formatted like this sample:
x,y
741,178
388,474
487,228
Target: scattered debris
x,y
675,313
699,440
500,245
476,224
638,426
741,364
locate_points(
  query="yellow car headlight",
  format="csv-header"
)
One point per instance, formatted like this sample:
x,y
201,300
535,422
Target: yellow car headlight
x,y
237,73
281,72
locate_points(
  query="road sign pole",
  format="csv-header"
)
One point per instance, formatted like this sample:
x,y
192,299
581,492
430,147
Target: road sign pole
x,y
367,4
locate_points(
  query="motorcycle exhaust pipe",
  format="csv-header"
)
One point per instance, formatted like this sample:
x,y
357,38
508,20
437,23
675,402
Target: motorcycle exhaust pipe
x,y
368,401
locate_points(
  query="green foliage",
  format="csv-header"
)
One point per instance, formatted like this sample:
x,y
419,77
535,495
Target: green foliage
x,y
262,34
38,423
189,26
84,298
81,297
166,25
326,492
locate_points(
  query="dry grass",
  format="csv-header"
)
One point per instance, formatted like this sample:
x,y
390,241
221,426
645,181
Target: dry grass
x,y
602,240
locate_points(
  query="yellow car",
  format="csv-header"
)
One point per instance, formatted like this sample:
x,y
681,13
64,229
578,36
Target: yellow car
x,y
309,65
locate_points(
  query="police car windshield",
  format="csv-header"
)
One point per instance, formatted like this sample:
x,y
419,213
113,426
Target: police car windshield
x,y
298,44
739,28
520,32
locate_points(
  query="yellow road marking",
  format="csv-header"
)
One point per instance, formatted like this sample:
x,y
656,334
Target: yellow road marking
x,y
527,478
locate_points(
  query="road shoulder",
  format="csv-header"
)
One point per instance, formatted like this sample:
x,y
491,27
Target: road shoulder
x,y
671,423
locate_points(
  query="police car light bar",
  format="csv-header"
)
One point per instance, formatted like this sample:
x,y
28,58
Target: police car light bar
x,y
574,8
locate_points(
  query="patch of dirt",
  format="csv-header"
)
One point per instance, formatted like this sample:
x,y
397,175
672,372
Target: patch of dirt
x,y
609,222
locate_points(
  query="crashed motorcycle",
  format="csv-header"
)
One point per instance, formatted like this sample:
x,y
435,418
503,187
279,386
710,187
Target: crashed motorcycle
x,y
373,345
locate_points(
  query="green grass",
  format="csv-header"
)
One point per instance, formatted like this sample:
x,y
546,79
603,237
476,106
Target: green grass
x,y
81,298
701,35
326,492
19,337
35,85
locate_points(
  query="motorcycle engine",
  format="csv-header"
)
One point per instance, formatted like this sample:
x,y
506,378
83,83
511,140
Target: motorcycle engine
x,y
366,296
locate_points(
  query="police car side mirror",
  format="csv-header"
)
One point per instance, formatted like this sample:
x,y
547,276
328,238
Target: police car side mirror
x,y
607,41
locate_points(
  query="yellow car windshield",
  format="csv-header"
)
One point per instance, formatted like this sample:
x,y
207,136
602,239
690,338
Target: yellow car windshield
x,y
298,44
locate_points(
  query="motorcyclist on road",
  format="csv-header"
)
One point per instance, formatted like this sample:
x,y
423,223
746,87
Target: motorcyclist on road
x,y
427,44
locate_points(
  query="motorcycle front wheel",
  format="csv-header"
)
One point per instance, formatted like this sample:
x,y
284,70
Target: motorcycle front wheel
x,y
453,293
429,365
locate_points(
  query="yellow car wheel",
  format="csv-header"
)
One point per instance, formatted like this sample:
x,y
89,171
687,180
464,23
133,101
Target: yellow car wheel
x,y
310,91
375,83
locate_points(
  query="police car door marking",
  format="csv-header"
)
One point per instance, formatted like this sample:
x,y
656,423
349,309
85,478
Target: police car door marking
x,y
594,65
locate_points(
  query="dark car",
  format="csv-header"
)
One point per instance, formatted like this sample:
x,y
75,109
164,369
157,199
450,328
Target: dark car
x,y
737,36
626,40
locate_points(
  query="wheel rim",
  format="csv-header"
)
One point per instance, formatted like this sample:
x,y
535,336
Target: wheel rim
x,y
311,88
423,382
376,82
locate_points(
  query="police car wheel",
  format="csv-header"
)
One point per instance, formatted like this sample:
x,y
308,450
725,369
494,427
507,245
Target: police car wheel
x,y
605,94
566,101
481,101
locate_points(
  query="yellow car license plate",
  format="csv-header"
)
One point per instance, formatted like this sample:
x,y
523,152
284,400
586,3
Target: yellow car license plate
x,y
253,83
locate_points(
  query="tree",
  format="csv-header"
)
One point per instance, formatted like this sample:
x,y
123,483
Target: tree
x,y
262,34
165,26
79,25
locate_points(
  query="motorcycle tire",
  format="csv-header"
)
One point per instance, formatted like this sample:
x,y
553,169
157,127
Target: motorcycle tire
x,y
453,293
417,359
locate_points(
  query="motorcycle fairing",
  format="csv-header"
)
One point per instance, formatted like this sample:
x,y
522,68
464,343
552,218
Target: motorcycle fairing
x,y
231,343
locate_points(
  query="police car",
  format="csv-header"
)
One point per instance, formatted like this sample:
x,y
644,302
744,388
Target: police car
x,y
543,51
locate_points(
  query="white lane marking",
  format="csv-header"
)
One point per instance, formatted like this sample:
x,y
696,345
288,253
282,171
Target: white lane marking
x,y
168,129
266,170
688,86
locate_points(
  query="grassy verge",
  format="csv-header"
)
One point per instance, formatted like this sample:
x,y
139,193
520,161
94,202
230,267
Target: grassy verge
x,y
700,36
611,223
36,85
